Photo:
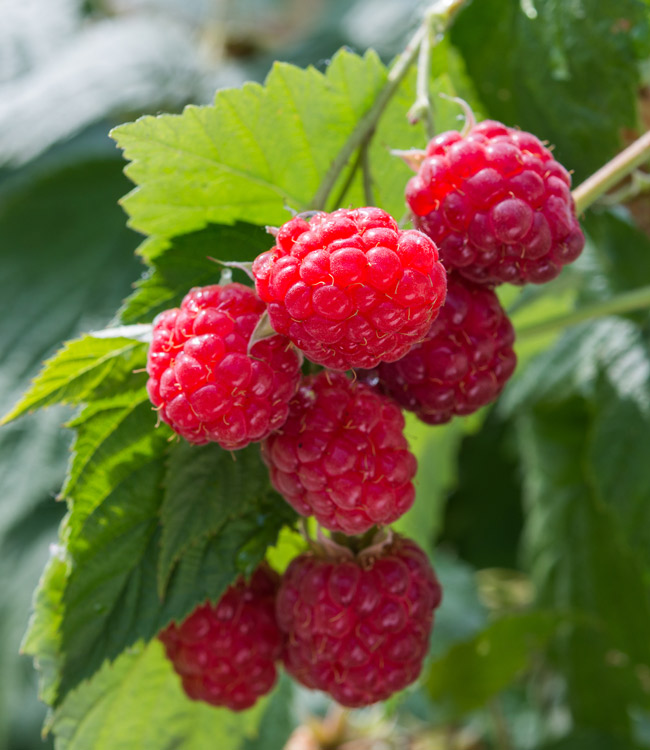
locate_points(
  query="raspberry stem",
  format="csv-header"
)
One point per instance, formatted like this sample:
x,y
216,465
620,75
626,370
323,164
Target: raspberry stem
x,y
612,173
637,299
438,17
422,105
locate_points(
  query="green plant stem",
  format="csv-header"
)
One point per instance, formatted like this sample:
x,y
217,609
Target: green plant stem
x,y
422,106
637,299
612,173
502,735
438,16
368,192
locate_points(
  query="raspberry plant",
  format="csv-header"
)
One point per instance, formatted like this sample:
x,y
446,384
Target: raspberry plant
x,y
162,526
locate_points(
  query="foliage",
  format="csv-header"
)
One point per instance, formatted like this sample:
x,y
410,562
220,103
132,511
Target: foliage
x,y
552,484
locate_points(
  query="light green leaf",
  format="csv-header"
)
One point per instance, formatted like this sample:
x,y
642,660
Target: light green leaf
x,y
138,701
257,150
78,369
473,671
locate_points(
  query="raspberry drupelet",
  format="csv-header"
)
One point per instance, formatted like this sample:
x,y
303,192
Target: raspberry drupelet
x,y
226,653
358,628
204,381
341,456
497,204
463,363
349,288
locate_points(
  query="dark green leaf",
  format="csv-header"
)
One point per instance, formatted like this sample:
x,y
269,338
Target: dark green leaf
x,y
581,559
206,488
186,263
566,71
483,515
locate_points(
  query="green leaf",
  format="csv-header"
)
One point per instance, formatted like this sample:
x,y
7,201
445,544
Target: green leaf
x,y
483,514
257,150
78,369
186,263
580,558
206,488
566,71
113,547
138,701
473,671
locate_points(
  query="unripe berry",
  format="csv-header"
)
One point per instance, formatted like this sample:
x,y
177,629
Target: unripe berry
x,y
341,456
497,204
204,381
349,288
226,653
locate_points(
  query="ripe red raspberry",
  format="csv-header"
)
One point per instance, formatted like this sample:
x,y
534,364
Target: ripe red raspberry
x,y
342,455
205,383
226,653
358,628
462,364
349,288
497,204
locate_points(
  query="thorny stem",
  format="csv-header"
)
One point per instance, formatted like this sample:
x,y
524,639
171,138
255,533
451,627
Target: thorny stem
x,y
637,299
440,14
612,173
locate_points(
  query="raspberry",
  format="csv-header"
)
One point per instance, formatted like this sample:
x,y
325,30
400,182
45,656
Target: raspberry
x,y
205,384
342,455
358,628
226,653
497,204
462,364
349,288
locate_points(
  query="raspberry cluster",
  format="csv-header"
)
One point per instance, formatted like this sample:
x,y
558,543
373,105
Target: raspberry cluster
x,y
349,288
226,653
358,629
341,456
497,204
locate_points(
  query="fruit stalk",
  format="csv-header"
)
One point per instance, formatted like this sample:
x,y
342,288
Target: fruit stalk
x,y
612,173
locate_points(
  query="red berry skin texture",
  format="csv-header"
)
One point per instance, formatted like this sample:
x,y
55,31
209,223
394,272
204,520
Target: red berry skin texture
x,y
349,288
497,204
205,384
341,456
226,653
463,363
359,630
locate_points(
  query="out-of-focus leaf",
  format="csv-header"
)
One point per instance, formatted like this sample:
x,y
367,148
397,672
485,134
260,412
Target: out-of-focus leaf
x,y
582,558
483,515
473,671
586,739
566,71
138,701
